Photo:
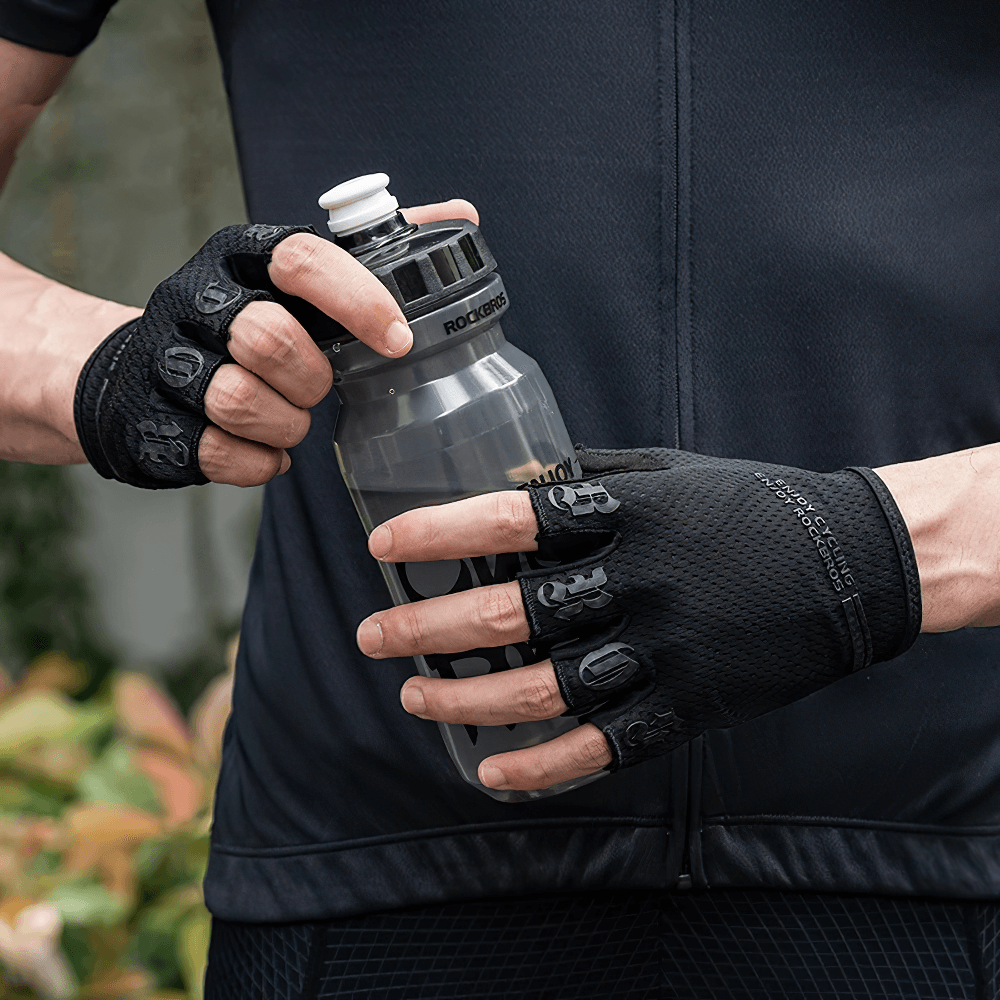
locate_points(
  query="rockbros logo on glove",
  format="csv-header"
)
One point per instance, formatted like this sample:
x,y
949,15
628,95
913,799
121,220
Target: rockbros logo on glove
x,y
214,297
608,666
160,442
582,498
181,366
571,598
642,733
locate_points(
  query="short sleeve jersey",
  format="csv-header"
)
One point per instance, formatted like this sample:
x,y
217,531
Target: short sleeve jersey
x,y
763,230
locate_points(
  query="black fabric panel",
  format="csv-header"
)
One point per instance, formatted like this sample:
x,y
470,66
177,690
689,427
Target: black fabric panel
x,y
65,27
780,853
343,879
916,744
634,946
844,250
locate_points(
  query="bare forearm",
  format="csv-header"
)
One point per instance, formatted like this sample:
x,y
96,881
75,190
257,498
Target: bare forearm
x,y
951,505
47,332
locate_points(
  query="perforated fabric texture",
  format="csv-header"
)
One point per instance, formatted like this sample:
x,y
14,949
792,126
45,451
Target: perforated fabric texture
x,y
696,593
259,961
642,946
139,400
987,923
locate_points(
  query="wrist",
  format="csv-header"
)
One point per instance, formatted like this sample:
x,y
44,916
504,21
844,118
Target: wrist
x,y
46,337
950,506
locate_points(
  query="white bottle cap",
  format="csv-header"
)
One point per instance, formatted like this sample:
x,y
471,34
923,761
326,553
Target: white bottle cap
x,y
358,203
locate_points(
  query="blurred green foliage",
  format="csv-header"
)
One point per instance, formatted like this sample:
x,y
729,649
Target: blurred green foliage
x,y
104,817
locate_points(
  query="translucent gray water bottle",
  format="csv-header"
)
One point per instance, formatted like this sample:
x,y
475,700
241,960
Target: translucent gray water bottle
x,y
464,412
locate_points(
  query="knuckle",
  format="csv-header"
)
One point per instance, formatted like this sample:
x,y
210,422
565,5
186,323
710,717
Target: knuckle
x,y
363,302
540,774
444,701
510,520
498,615
233,394
212,453
273,338
594,751
224,459
320,383
425,531
293,257
538,699
409,626
266,468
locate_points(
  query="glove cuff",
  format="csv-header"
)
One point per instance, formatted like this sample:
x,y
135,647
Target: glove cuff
x,y
90,389
906,556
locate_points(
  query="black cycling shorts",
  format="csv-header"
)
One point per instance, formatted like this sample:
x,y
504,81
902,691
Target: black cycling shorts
x,y
683,946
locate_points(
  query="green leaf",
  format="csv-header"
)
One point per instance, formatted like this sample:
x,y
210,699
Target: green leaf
x,y
114,777
44,715
85,904
149,857
77,947
33,797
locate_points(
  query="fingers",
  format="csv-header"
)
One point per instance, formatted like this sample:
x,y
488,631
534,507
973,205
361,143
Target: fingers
x,y
331,279
246,406
486,616
267,340
524,694
573,755
479,526
457,208
227,459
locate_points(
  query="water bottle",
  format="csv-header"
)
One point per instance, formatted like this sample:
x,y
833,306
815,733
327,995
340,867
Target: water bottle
x,y
463,413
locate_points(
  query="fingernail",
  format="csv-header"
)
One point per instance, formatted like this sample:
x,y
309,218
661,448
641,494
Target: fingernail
x,y
380,541
286,463
492,777
413,699
398,338
370,637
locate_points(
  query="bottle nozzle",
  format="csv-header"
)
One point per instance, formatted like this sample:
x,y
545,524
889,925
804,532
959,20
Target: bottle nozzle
x,y
358,203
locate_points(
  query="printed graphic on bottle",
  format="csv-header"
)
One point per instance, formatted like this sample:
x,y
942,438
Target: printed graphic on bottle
x,y
434,579
408,582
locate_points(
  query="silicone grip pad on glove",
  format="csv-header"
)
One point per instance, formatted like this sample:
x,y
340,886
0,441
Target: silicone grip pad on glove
x,y
139,404
696,593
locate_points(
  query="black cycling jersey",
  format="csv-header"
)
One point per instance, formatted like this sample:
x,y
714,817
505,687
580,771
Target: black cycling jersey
x,y
764,230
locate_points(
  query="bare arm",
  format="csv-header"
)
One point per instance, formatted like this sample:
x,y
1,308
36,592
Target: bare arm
x,y
47,331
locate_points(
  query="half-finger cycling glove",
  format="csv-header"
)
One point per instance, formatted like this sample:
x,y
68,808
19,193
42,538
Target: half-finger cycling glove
x,y
696,593
139,404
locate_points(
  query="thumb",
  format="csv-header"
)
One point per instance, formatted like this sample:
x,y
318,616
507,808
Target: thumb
x,y
457,208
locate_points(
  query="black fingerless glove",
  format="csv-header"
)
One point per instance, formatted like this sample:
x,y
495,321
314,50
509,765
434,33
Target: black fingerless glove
x,y
139,404
696,593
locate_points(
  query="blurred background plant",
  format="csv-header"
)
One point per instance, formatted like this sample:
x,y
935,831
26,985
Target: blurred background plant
x,y
105,807
117,606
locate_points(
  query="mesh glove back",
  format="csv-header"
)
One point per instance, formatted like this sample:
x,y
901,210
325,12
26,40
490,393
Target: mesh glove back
x,y
696,593
139,404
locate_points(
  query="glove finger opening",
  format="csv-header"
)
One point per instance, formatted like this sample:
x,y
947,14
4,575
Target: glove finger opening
x,y
599,668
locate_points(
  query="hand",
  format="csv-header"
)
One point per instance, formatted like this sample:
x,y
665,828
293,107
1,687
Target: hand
x,y
693,593
214,381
